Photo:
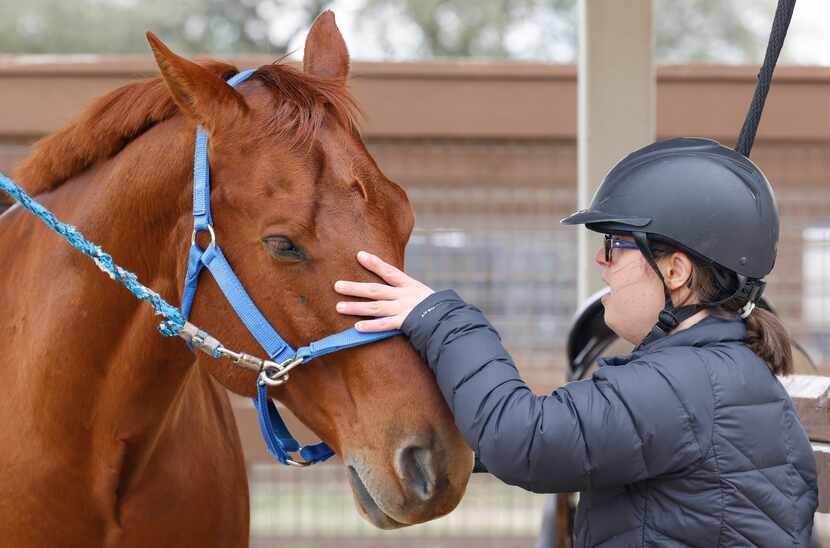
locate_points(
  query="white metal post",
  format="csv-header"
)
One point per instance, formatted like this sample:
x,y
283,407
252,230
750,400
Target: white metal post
x,y
616,103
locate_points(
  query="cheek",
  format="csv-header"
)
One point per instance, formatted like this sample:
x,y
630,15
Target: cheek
x,y
621,277
634,295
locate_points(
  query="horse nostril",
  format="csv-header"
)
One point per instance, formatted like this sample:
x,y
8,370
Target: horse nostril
x,y
415,468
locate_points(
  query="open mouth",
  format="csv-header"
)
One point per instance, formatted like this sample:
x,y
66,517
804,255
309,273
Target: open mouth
x,y
377,516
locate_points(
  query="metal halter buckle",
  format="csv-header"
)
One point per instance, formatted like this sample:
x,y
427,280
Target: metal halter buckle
x,y
276,374
269,373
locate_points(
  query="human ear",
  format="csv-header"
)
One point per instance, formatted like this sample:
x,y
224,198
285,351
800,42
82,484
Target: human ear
x,y
678,271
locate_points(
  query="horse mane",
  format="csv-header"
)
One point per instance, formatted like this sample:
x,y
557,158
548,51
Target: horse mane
x,y
113,120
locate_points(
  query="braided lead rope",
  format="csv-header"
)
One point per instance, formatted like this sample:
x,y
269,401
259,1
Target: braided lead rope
x,y
174,323
780,24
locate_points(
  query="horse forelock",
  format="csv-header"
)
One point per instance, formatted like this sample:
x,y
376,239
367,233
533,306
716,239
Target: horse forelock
x,y
113,120
302,101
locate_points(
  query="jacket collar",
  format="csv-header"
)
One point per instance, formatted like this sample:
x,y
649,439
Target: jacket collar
x,y
709,330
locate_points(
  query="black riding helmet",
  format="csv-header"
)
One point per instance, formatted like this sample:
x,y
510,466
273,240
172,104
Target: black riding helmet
x,y
701,197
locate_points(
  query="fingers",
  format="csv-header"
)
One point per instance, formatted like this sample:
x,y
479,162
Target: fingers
x,y
387,305
389,273
373,308
366,290
381,324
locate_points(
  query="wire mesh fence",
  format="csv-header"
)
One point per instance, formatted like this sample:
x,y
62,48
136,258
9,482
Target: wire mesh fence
x,y
314,509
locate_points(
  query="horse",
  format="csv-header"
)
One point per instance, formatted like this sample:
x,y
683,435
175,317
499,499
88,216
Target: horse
x,y
115,436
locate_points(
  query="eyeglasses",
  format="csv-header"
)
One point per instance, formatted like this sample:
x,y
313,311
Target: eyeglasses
x,y
612,241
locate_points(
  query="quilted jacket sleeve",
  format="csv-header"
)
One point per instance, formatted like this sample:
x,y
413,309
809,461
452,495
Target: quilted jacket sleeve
x,y
623,425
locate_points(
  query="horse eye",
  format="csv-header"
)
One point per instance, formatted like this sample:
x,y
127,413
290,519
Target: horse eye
x,y
282,248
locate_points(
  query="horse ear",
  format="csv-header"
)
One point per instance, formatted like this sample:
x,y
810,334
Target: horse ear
x,y
199,93
326,54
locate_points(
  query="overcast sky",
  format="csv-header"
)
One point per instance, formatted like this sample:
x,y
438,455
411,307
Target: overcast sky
x,y
808,40
809,35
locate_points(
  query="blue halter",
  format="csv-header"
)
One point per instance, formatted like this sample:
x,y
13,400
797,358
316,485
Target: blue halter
x,y
278,439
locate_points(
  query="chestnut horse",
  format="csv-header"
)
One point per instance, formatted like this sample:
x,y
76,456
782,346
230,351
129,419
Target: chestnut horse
x,y
115,436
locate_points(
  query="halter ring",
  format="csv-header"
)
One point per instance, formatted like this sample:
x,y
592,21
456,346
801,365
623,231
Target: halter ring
x,y
209,229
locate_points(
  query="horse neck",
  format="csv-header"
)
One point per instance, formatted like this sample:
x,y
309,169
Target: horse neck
x,y
110,373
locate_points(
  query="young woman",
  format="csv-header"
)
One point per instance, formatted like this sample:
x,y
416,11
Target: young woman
x,y
688,441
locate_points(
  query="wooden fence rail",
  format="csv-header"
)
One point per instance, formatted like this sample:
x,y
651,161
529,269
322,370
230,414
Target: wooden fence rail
x,y
811,395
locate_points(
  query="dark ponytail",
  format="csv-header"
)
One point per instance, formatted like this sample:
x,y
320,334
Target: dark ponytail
x,y
766,335
768,338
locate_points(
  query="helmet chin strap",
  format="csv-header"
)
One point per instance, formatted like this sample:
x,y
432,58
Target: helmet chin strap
x,y
670,317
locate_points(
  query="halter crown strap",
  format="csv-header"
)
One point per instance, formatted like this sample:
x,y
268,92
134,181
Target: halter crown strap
x,y
201,169
278,439
215,261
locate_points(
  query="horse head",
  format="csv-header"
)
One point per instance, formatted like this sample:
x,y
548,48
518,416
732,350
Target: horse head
x,y
295,195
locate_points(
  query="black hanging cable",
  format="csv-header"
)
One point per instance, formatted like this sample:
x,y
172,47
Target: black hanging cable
x,y
780,24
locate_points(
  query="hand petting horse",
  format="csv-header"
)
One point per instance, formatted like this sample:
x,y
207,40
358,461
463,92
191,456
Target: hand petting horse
x,y
113,435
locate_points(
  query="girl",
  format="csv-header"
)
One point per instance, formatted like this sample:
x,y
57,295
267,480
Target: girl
x,y
688,441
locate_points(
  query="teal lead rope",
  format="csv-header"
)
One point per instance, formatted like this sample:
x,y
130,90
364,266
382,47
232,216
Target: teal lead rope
x,y
174,322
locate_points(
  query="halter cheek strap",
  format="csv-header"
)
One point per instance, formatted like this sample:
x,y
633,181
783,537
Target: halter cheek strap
x,y
278,439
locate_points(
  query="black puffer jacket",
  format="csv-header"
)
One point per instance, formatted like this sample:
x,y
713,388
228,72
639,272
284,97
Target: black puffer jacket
x,y
689,441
